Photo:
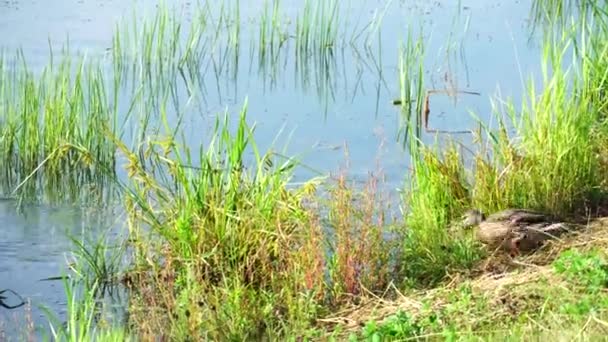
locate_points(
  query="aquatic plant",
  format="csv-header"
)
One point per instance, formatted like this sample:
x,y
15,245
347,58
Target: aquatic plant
x,y
411,85
84,319
554,16
229,250
52,135
99,262
549,155
317,28
230,240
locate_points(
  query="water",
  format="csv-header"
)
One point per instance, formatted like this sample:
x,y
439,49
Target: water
x,y
480,45
34,246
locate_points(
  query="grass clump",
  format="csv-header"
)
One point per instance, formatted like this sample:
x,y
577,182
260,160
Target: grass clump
x,y
361,256
52,138
549,156
227,249
233,252
439,193
229,261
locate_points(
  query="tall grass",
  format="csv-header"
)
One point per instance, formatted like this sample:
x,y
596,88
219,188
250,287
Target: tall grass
x,y
553,15
226,250
555,165
51,123
547,155
411,85
438,193
231,242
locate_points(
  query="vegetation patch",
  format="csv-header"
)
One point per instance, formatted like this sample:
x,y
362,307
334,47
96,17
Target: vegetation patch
x,y
566,296
222,246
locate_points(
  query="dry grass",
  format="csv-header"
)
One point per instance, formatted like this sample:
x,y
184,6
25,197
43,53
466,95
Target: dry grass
x,y
509,285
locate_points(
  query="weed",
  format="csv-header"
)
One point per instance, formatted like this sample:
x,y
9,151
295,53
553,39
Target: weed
x,y
232,240
587,269
360,251
397,327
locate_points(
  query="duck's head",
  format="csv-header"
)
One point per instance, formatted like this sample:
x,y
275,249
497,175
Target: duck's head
x,y
472,217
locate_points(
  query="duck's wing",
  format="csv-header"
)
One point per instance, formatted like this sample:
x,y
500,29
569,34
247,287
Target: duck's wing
x,y
494,232
533,236
518,216
503,215
529,217
550,230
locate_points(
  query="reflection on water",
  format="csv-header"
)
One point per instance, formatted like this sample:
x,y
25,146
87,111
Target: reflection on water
x,y
341,96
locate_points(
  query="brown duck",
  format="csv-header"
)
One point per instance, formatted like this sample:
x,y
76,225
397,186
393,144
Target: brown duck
x,y
513,230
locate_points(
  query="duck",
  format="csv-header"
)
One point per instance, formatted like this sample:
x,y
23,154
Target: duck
x,y
512,230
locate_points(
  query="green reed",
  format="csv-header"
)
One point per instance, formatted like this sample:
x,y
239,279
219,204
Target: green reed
x,y
226,233
316,33
84,317
317,27
317,46
229,250
547,155
411,85
552,16
181,56
234,39
52,133
271,31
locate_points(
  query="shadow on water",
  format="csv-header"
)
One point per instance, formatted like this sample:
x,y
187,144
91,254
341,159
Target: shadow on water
x,y
5,299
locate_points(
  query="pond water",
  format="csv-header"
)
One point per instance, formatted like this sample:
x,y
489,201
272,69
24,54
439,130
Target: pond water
x,y
476,45
34,246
